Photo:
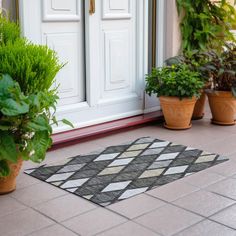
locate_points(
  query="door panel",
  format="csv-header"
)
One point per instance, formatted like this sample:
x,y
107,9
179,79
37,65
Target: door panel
x,y
103,78
62,30
116,9
118,43
70,79
61,10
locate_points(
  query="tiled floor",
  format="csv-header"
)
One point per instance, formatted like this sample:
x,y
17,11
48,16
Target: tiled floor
x,y
203,204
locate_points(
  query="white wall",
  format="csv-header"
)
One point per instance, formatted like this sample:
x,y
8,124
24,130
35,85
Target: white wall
x,y
173,35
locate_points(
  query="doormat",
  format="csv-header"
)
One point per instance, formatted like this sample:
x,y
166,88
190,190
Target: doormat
x,y
120,172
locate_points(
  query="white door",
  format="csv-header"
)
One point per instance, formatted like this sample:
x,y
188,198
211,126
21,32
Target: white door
x,y
106,55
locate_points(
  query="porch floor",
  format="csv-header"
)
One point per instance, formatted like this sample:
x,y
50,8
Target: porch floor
x,y
203,204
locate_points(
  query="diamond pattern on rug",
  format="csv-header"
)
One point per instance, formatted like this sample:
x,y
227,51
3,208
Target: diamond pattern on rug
x,y
120,172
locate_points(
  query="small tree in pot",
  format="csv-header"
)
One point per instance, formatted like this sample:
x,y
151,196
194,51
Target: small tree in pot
x,y
178,88
222,97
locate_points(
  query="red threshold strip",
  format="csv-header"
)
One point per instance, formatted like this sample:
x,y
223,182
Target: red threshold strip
x,y
87,133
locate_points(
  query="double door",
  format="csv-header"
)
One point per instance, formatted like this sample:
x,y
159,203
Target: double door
x,y
104,46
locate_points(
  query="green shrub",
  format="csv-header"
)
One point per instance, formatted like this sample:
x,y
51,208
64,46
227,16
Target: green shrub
x,y
27,99
9,31
25,123
34,67
176,80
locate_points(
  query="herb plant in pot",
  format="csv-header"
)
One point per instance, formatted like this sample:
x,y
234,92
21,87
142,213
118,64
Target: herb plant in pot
x,y
27,104
178,88
222,96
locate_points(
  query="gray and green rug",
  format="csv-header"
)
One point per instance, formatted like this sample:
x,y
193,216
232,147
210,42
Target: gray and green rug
x,y
120,172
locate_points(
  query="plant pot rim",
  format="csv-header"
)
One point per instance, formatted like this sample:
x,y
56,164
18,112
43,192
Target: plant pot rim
x,y
212,92
177,98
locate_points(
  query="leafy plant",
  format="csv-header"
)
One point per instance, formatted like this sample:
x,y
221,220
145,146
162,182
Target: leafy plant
x,y
222,68
27,97
9,31
205,24
33,66
195,61
176,80
25,123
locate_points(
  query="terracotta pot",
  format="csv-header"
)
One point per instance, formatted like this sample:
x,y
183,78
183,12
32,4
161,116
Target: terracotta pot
x,y
198,112
223,107
177,112
8,184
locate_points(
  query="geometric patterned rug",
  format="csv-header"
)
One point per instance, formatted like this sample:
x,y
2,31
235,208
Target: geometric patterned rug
x,y
120,172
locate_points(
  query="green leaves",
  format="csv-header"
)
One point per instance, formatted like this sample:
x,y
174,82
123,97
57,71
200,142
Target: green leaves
x,y
4,168
10,107
205,24
8,149
12,100
67,122
34,67
176,80
221,66
28,97
40,123
38,145
10,31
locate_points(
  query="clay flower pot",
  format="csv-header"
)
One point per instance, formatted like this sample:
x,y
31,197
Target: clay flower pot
x,y
199,108
198,112
223,107
8,184
177,113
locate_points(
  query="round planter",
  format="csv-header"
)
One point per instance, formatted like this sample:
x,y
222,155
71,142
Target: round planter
x,y
8,184
198,112
223,107
177,113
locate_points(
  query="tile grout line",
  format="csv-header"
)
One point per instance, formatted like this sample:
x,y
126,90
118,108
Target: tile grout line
x,y
41,213
66,193
49,227
227,226
189,227
130,220
57,222
172,204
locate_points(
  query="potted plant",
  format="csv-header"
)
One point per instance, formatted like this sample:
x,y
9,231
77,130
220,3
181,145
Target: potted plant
x,y
178,88
222,96
195,60
204,25
27,102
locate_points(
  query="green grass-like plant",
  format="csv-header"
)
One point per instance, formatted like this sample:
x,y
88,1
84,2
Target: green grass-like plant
x,y
33,66
9,31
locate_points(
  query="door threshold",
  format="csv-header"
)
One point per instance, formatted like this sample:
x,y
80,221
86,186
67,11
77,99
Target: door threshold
x,y
75,136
